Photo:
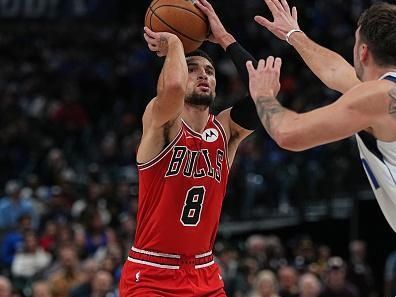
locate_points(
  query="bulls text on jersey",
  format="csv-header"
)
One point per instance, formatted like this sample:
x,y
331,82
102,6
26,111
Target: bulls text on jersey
x,y
182,155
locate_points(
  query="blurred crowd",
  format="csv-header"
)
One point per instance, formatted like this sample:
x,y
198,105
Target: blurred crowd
x,y
72,97
85,260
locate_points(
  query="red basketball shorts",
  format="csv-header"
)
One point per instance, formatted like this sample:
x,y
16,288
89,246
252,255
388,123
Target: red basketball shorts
x,y
151,274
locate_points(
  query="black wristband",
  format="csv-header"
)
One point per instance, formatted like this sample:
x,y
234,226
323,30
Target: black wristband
x,y
240,56
244,113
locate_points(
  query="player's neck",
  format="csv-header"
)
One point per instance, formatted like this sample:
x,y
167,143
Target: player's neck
x,y
376,73
196,117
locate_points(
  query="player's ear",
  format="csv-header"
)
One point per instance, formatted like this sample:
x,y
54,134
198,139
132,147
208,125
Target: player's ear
x,y
364,53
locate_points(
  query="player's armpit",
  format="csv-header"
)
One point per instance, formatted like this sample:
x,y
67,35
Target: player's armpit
x,y
355,111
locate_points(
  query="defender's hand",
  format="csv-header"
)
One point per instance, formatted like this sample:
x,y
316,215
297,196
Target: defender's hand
x,y
218,33
159,42
285,19
264,81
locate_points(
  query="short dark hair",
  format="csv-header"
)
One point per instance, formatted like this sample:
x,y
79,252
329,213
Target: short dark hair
x,y
201,53
378,29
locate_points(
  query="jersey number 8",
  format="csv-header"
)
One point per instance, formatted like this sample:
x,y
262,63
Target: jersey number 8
x,y
192,209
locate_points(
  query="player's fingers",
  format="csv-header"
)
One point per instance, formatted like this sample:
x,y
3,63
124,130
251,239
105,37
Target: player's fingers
x,y
148,31
205,3
272,7
208,4
263,22
278,64
285,6
153,47
151,33
277,4
201,6
261,64
270,62
148,38
250,67
294,13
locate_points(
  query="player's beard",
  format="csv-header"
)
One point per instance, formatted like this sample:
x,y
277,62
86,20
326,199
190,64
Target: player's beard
x,y
204,100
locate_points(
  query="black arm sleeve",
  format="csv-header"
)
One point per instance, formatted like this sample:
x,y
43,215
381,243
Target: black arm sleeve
x,y
244,111
240,56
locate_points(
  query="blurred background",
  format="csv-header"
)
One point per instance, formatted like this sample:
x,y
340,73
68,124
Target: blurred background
x,y
75,77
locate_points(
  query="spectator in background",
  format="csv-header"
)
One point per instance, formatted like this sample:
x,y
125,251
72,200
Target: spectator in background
x,y
89,268
70,120
390,275
5,287
309,285
288,278
69,274
13,240
13,206
41,289
48,238
265,285
320,265
111,259
304,253
53,166
335,280
274,253
31,260
256,247
94,201
99,286
359,272
228,262
247,272
102,285
60,204
96,236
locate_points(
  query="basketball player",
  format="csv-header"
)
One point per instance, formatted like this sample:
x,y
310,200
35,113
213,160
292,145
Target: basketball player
x,y
367,109
184,159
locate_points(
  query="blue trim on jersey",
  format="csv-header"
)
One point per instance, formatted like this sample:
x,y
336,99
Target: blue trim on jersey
x,y
391,78
390,172
370,174
371,143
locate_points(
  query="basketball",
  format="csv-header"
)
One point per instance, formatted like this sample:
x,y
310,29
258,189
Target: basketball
x,y
180,17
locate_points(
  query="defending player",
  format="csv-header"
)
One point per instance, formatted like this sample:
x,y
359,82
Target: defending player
x,y
183,161
367,109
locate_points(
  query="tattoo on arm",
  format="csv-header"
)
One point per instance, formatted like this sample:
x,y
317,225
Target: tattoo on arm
x,y
267,108
392,104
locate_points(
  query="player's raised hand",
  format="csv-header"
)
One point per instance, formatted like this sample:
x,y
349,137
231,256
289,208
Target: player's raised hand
x,y
218,34
285,19
264,81
159,42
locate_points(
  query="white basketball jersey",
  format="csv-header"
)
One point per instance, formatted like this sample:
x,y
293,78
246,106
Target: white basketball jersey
x,y
379,162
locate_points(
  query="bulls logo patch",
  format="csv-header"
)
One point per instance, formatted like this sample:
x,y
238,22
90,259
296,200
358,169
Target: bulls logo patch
x,y
210,135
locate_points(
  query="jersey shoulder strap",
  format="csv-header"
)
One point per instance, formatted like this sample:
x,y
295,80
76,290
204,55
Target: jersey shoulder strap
x,y
391,78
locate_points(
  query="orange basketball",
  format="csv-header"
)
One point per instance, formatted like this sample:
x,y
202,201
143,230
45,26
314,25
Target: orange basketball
x,y
181,18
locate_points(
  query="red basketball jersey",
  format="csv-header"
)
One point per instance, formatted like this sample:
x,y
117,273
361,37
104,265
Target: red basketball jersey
x,y
181,192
